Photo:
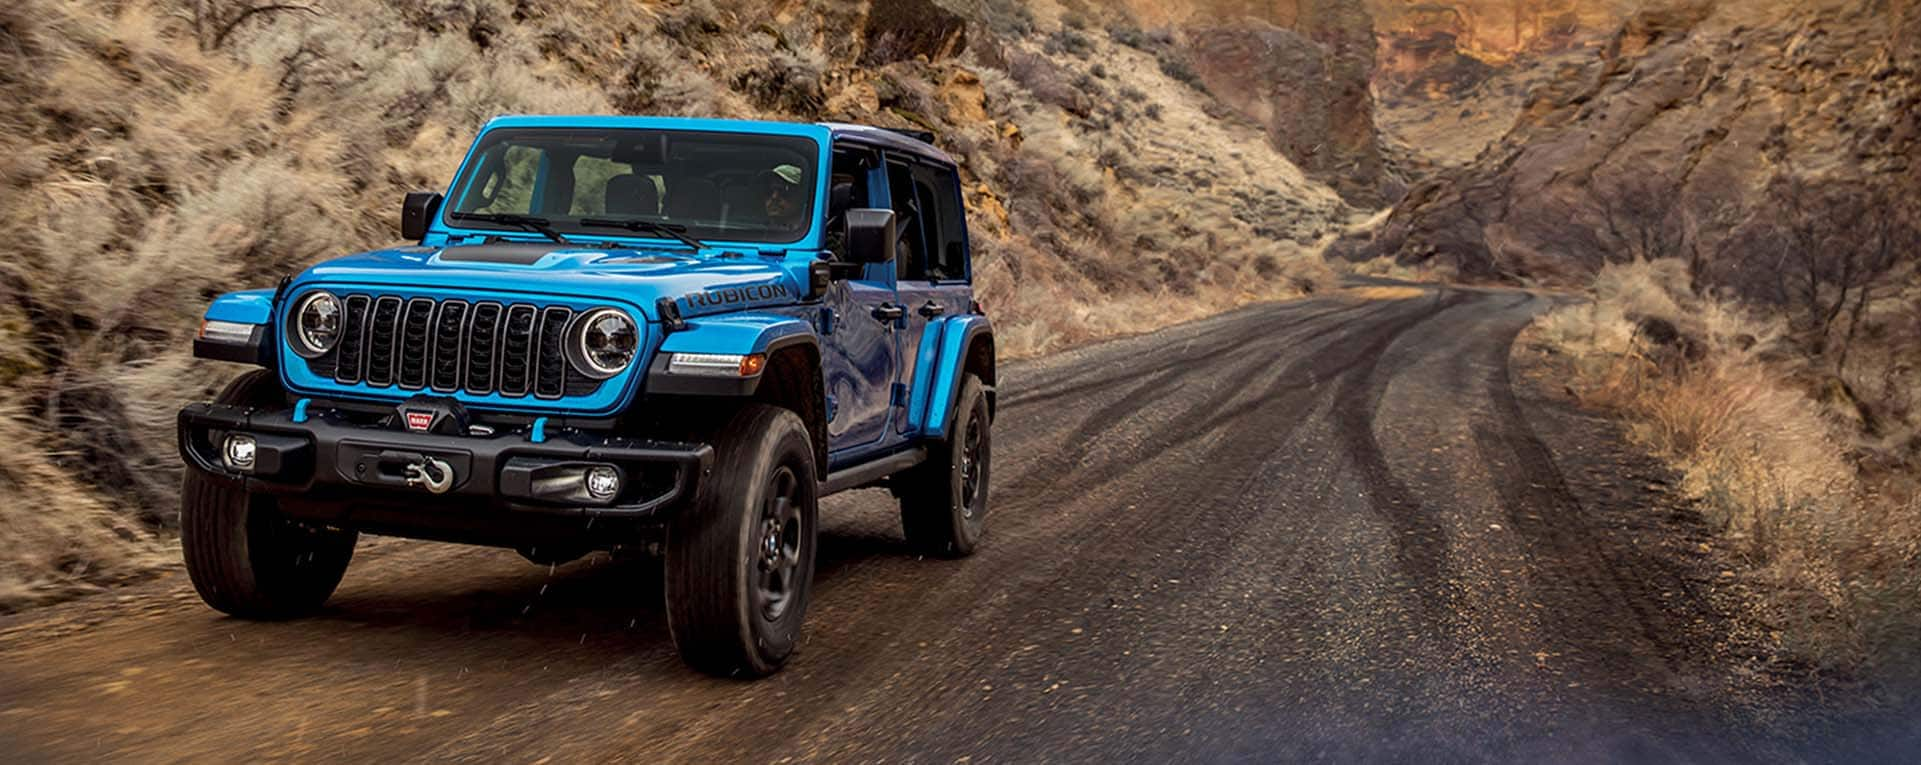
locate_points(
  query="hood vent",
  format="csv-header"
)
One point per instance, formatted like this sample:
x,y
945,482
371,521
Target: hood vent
x,y
514,253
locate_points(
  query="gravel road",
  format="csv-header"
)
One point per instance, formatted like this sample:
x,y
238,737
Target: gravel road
x,y
1340,528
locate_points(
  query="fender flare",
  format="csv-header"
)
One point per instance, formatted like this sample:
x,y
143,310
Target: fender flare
x,y
958,338
734,334
254,307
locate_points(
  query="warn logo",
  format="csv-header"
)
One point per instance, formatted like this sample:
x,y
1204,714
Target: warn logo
x,y
420,421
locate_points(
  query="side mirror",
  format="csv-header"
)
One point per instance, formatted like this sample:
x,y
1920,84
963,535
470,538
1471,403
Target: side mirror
x,y
416,212
871,235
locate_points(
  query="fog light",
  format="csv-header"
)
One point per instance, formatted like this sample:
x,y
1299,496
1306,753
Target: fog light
x,y
238,452
602,482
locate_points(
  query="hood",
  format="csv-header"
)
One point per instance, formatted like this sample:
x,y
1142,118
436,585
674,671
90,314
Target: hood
x,y
705,282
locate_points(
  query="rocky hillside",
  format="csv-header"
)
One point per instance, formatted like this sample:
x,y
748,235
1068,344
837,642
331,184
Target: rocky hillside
x,y
1451,76
1302,70
156,153
1434,49
1773,148
1702,130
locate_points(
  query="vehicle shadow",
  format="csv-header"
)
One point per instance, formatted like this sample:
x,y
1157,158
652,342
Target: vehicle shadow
x,y
461,591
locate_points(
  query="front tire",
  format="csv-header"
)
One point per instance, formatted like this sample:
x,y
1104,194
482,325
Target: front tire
x,y
740,559
244,557
943,501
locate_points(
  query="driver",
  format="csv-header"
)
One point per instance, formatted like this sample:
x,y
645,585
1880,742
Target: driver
x,y
785,202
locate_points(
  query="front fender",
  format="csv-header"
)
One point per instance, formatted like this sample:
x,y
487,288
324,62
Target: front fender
x,y
736,334
933,403
253,308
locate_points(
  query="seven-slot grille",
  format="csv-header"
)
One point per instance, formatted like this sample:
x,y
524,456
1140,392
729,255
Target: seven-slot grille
x,y
453,345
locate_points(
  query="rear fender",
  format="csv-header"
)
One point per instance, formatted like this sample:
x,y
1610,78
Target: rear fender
x,y
937,388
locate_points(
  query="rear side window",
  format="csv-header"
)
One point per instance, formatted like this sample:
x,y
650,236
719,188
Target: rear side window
x,y
910,257
946,229
933,226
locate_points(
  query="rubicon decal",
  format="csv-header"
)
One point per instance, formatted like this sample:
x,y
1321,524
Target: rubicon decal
x,y
729,296
420,421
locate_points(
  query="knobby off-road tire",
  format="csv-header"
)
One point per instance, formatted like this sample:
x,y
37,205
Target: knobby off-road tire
x,y
943,501
244,558
740,560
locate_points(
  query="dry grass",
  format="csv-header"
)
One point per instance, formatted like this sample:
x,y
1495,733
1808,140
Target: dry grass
x,y
1838,552
62,539
143,170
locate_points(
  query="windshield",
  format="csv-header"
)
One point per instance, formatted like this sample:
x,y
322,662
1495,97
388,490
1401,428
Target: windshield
x,y
709,186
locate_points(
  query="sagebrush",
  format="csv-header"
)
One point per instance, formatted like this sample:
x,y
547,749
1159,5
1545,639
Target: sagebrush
x,y
1726,392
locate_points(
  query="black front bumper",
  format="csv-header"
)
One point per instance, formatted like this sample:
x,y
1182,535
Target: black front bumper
x,y
328,457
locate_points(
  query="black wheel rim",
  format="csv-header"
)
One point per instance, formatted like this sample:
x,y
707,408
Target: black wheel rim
x,y
777,545
970,467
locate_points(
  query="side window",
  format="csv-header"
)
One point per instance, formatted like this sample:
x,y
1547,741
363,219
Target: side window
x,y
947,228
910,259
848,188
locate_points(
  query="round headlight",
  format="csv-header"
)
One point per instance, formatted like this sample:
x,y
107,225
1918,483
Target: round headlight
x,y
316,324
603,342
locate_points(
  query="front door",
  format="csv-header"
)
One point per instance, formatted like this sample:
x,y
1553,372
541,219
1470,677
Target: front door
x,y
862,360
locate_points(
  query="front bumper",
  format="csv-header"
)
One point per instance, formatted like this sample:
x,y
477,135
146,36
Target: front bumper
x,y
324,455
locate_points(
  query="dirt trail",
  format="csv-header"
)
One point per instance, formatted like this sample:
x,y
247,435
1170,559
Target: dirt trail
x,y
1329,528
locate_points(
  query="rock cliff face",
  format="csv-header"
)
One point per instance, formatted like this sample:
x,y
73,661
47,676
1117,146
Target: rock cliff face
x,y
1301,68
1498,31
1308,86
1451,75
1713,132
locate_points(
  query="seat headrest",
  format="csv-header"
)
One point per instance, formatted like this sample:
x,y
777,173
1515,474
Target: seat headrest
x,y
632,194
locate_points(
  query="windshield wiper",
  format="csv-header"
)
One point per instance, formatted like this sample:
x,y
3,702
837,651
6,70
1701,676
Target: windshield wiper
x,y
537,225
656,228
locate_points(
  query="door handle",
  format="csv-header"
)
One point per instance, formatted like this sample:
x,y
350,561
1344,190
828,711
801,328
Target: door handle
x,y
889,312
932,309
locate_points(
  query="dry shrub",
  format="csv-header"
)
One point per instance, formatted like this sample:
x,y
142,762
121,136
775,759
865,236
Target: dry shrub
x,y
1768,463
59,538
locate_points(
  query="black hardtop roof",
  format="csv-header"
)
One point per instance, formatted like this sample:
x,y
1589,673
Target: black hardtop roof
x,y
889,140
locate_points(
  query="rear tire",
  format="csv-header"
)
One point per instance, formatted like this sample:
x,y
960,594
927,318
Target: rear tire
x,y
740,559
943,501
243,556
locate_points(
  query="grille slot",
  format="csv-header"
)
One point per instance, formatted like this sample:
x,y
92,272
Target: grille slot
x,y
516,352
414,331
550,379
483,337
450,322
511,350
383,330
344,363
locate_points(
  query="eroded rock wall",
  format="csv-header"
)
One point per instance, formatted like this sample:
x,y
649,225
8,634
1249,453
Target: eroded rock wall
x,y
1301,68
1705,130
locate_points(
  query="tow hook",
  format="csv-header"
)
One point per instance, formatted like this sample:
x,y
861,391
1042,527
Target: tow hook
x,y
436,476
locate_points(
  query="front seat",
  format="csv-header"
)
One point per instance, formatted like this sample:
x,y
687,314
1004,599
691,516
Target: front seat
x,y
632,195
745,206
693,199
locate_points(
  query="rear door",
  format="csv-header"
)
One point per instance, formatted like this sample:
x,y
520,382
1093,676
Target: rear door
x,y
932,279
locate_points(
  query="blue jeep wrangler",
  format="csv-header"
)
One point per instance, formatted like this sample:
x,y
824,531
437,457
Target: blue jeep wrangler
x,y
669,334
